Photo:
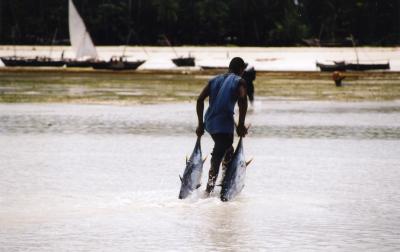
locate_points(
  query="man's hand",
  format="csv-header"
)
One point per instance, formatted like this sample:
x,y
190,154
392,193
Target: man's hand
x,y
200,130
241,130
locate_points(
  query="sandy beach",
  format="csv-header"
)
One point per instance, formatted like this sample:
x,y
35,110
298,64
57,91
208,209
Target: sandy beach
x,y
263,58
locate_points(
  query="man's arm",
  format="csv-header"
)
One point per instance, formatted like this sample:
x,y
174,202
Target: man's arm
x,y
200,109
242,103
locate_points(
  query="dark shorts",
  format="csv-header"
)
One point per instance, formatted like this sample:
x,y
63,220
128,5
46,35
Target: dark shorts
x,y
222,148
222,143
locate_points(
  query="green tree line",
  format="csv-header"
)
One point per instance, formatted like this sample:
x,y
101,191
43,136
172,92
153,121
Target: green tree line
x,y
205,22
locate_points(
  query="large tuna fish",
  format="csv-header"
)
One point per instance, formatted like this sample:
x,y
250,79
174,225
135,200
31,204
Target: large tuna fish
x,y
192,175
233,181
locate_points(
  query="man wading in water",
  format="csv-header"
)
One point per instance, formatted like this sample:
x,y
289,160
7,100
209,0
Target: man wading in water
x,y
223,91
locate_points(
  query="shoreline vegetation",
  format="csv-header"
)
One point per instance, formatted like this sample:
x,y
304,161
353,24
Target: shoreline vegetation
x,y
162,86
180,22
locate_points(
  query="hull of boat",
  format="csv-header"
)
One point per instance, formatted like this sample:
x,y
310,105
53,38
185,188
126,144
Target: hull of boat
x,y
76,63
331,67
117,65
189,61
366,67
31,62
222,68
352,67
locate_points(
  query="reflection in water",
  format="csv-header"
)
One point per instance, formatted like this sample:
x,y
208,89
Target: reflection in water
x,y
105,178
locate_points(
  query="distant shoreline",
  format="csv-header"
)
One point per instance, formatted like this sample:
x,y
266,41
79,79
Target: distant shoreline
x,y
269,59
179,71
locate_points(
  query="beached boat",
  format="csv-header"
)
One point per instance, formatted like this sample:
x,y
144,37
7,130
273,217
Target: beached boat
x,y
85,51
179,61
81,42
343,66
366,67
117,63
347,66
219,68
184,61
14,61
336,66
78,63
37,61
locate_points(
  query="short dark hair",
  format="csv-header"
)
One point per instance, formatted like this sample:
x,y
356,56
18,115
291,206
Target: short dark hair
x,y
236,64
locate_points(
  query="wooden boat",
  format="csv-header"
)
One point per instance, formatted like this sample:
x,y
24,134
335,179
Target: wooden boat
x,y
79,63
179,61
343,66
184,61
14,61
81,42
85,51
219,68
336,66
117,64
366,67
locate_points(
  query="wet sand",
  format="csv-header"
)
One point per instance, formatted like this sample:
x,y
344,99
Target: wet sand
x,y
154,87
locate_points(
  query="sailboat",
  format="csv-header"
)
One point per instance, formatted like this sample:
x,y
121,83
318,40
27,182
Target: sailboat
x,y
15,61
348,66
184,61
180,61
85,51
344,66
38,61
81,42
118,62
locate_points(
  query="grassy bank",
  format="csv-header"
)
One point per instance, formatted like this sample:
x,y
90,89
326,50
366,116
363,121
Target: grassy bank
x,y
171,86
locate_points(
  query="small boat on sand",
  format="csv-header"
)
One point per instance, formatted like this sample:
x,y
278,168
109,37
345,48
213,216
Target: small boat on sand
x,y
344,66
349,66
81,42
14,61
184,61
117,63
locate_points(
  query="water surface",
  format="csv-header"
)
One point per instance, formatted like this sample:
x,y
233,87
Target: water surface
x,y
105,178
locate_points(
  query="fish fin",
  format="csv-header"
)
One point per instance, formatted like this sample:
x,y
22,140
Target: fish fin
x,y
180,178
248,162
219,185
197,187
204,160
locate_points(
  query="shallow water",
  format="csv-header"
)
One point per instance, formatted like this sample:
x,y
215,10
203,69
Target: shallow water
x,y
104,177
152,87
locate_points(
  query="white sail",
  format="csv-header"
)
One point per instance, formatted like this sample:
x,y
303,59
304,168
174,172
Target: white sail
x,y
79,36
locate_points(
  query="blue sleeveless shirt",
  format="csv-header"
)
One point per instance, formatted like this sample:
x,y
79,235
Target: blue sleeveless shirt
x,y
222,100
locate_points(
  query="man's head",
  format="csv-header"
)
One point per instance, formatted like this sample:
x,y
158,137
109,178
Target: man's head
x,y
237,66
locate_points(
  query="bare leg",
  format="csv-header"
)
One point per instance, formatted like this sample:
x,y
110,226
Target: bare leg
x,y
227,160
